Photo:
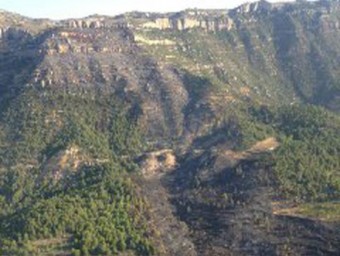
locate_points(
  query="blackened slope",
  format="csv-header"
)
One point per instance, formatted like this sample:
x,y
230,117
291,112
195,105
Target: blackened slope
x,y
229,212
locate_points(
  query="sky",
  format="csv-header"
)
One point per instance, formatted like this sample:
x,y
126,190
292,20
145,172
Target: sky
x,y
62,9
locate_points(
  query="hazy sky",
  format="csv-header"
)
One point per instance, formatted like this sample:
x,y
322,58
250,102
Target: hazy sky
x,y
60,9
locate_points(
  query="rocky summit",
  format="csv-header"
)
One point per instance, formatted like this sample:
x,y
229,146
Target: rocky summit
x,y
199,132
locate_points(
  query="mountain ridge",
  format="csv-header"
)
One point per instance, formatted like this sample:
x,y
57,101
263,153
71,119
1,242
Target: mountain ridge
x,y
258,52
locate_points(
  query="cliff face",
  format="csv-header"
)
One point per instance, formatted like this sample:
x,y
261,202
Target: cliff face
x,y
260,51
207,20
191,22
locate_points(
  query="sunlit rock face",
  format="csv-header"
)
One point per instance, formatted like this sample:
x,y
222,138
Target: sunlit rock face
x,y
191,21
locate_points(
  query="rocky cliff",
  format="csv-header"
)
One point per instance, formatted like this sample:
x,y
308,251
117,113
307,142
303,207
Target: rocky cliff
x,y
260,51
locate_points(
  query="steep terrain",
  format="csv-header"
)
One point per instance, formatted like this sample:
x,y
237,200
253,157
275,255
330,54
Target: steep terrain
x,y
227,206
181,130
263,52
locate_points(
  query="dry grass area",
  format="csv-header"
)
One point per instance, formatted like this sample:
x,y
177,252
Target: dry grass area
x,y
263,146
324,211
66,160
53,246
51,241
268,144
284,208
231,158
157,162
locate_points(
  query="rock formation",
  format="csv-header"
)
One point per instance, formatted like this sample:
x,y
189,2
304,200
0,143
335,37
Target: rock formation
x,y
190,22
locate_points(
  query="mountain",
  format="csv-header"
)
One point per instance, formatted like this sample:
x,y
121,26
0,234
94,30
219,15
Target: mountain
x,y
201,132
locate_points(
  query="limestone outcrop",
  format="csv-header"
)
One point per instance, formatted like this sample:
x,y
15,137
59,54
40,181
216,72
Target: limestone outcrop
x,y
157,163
191,22
87,23
254,7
